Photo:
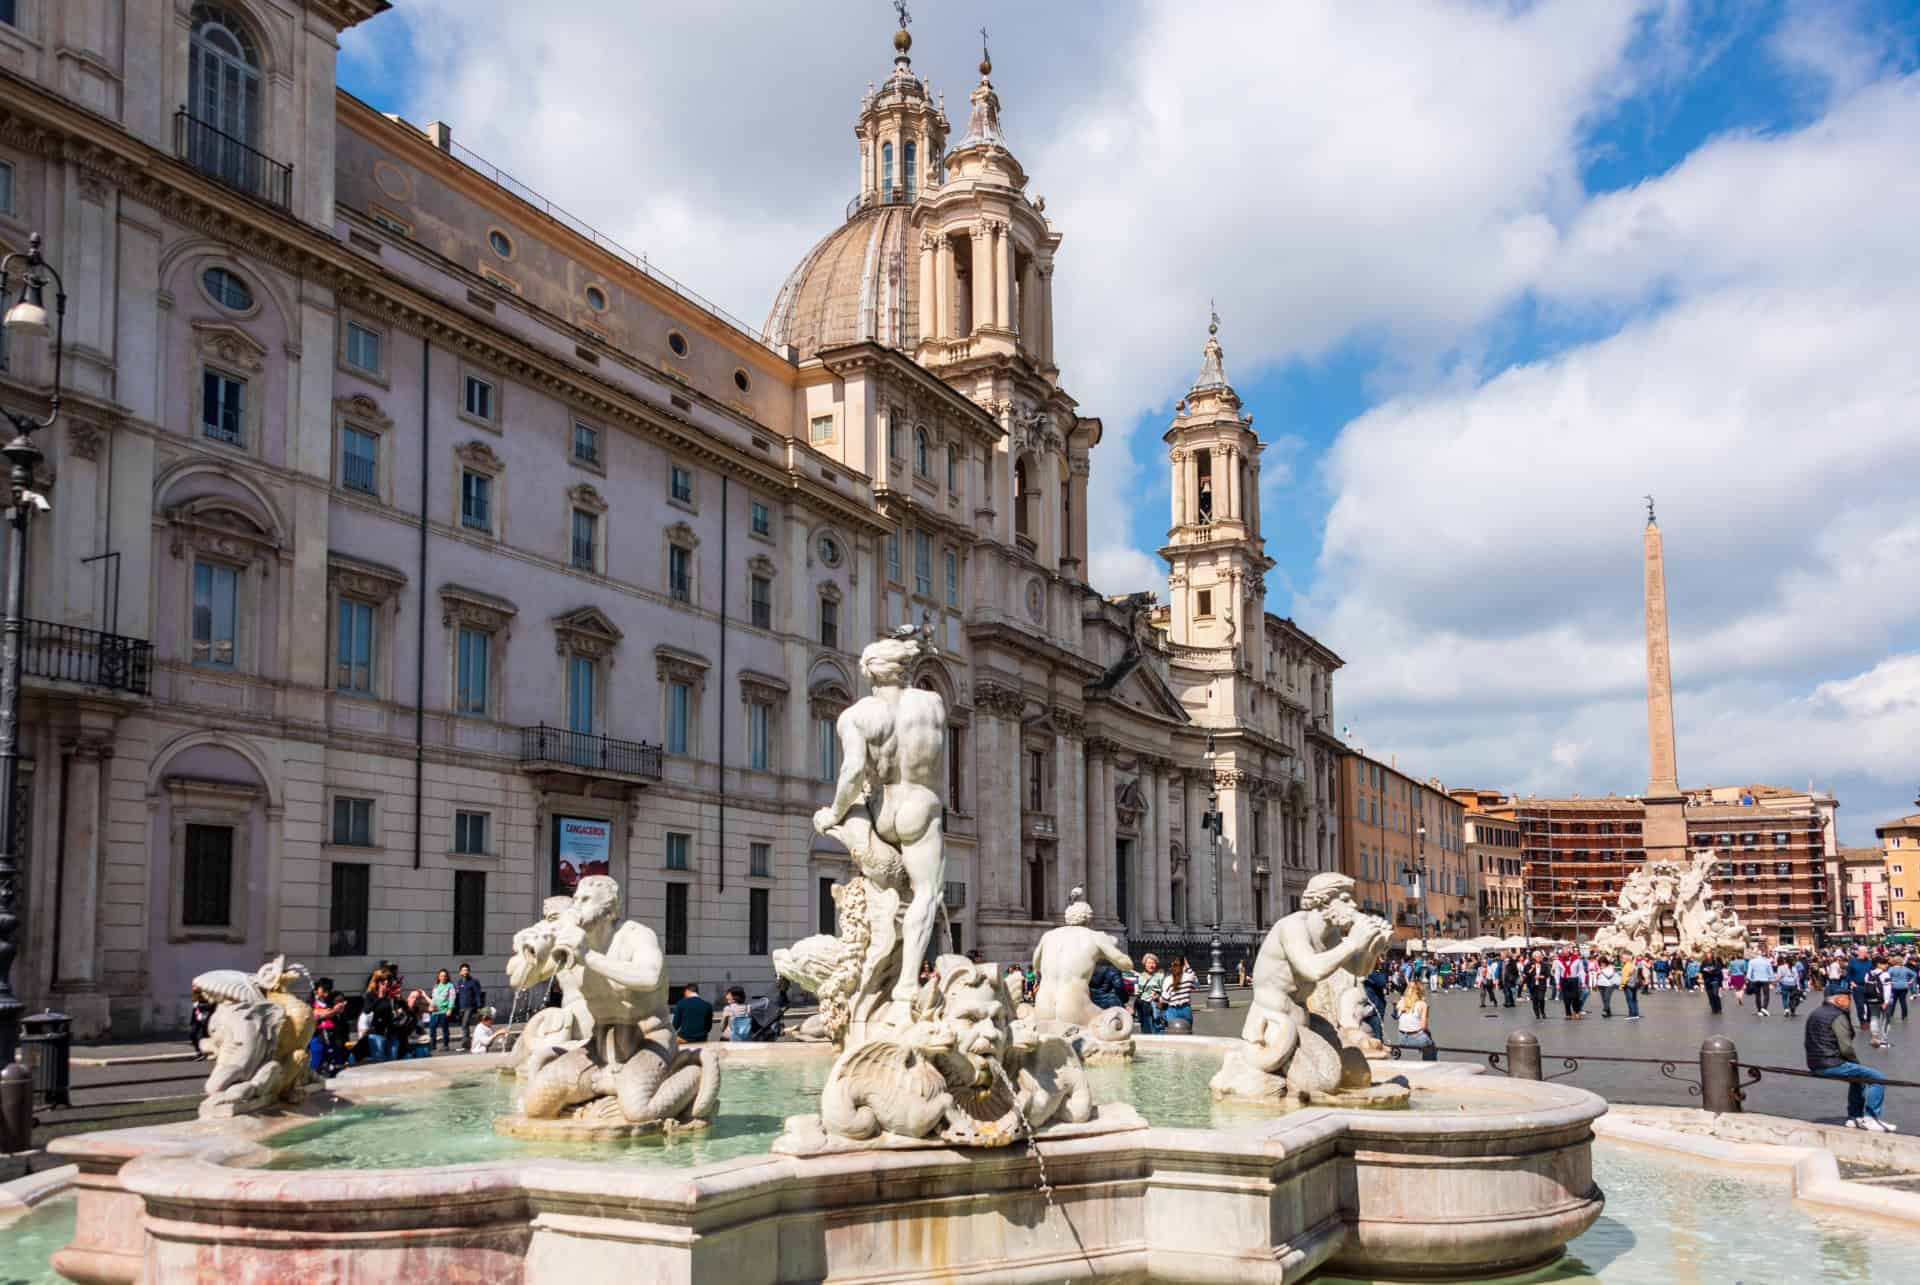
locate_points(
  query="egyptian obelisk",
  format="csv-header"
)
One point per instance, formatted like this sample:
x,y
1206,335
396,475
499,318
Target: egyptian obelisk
x,y
1665,835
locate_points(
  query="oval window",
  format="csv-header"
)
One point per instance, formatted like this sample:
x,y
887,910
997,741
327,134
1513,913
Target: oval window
x,y
227,290
502,244
741,381
677,342
829,551
596,298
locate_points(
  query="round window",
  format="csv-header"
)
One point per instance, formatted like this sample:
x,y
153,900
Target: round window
x,y
502,243
741,381
829,551
596,298
677,342
227,290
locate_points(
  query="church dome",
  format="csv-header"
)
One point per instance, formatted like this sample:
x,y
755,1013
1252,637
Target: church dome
x,y
852,286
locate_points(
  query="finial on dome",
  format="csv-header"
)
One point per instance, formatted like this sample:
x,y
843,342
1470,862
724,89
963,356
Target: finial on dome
x,y
1213,326
901,40
986,59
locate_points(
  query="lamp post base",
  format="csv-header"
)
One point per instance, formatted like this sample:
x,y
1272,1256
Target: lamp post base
x,y
1216,976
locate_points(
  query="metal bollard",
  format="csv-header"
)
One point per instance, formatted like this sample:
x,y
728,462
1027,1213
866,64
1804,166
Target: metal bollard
x,y
1523,1055
16,1108
1719,1075
52,1036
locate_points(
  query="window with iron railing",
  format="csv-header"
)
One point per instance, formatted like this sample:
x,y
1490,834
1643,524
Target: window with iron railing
x,y
760,597
223,407
586,535
586,443
680,573
359,460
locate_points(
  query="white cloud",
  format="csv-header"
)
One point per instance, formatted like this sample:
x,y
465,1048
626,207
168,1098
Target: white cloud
x,y
1117,569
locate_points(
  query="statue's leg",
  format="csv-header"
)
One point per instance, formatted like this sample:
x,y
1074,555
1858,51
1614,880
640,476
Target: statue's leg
x,y
920,830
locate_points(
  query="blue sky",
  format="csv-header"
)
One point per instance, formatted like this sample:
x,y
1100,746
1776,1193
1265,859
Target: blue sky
x,y
1487,272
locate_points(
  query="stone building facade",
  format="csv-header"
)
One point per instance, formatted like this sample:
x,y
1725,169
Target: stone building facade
x,y
1404,844
416,550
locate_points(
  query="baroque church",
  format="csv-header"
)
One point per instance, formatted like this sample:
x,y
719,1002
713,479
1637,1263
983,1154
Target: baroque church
x,y
417,549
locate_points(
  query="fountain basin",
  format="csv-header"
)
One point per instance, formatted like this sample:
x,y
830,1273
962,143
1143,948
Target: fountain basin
x,y
1495,1175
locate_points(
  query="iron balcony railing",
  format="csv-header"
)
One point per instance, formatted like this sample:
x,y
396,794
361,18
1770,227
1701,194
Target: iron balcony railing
x,y
70,654
357,471
887,194
213,151
557,747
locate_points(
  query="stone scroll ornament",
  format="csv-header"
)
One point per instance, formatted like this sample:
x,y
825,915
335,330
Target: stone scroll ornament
x,y
605,1063
257,1038
1663,895
1064,960
940,1063
1302,1039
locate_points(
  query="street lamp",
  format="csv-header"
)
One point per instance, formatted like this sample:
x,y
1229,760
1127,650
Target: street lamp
x,y
1211,821
26,318
1420,885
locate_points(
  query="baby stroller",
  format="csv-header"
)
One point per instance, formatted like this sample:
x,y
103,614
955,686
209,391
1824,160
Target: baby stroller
x,y
763,1016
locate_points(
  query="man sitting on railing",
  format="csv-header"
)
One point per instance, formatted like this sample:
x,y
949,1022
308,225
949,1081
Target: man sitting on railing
x,y
1830,1053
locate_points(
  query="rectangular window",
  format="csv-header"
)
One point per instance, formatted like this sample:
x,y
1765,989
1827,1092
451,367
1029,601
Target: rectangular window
x,y
478,398
1779,838
1203,605
353,822
680,573
759,736
353,661
757,899
760,860
893,436
469,912
956,745
829,623
679,717
223,403
470,834
953,468
586,443
678,851
471,696
760,601
586,533
922,563
206,895
822,430
676,943
893,556
1036,781
762,519
347,912
828,742
827,908
216,603
363,348
953,578
681,484
6,171
359,460
582,706
476,501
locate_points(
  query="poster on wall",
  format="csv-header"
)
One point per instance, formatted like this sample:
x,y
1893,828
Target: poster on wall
x,y
582,846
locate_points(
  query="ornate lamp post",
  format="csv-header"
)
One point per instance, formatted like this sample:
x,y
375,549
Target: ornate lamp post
x,y
26,318
1420,885
1216,967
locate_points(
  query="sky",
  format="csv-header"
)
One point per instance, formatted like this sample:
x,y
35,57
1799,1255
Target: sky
x,y
1488,272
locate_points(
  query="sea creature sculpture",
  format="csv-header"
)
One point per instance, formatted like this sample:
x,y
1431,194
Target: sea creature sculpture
x,y
257,1037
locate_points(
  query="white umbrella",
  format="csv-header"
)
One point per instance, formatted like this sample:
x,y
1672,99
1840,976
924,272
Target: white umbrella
x,y
1515,943
1486,943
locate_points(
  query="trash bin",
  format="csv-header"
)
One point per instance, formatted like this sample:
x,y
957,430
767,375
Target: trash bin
x,y
51,1035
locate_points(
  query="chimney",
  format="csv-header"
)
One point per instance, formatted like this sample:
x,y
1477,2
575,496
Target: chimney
x,y
440,134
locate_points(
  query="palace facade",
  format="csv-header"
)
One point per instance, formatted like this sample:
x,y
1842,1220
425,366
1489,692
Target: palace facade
x,y
415,549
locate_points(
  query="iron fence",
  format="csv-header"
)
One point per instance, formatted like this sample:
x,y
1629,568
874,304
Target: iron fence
x,y
588,751
215,152
71,654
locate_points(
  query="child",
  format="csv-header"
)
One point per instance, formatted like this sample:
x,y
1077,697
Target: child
x,y
482,1032
734,1018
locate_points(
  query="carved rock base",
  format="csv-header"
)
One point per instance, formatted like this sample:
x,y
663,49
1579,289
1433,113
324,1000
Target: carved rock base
x,y
806,1136
1096,1052
573,1129
1239,1080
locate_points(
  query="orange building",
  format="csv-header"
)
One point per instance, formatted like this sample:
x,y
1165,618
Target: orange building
x,y
1900,841
1394,827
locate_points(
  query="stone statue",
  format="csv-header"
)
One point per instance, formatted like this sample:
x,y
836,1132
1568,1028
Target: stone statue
x,y
1663,891
1291,1048
944,1063
1065,959
605,1063
258,1039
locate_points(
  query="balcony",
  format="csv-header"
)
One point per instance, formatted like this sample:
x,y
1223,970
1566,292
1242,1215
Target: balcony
x,y
70,654
554,751
226,158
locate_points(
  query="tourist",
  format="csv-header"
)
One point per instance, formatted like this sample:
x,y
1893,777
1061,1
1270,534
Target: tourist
x,y
1414,1033
1016,984
1147,996
1107,987
1375,983
692,1016
1572,995
1760,974
1537,978
481,1036
735,1019
1791,979
439,1032
1606,980
327,1051
1857,969
1902,976
1660,967
1737,979
1876,991
1693,974
1483,978
1509,975
1632,981
1178,1006
1711,975
1829,1044
468,1000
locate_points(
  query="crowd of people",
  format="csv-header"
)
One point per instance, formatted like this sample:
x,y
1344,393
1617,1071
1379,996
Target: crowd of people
x,y
387,1020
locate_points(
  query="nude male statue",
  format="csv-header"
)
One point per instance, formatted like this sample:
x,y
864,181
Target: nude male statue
x,y
893,746
615,972
1326,934
1065,958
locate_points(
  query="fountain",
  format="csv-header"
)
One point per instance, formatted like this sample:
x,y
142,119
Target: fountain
x,y
1662,892
953,1136
1065,961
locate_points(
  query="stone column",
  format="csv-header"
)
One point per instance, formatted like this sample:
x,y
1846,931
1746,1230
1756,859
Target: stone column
x,y
1179,490
1046,314
1077,783
943,286
1003,275
1100,830
84,844
1162,867
928,293
999,833
1029,308
1233,482
982,270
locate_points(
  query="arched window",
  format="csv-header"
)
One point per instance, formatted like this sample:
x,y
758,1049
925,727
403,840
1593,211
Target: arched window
x,y
1022,494
223,75
907,175
886,171
922,453
1204,470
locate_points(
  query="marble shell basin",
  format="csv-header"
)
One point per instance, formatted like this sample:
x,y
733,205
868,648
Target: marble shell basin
x,y
1498,1183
